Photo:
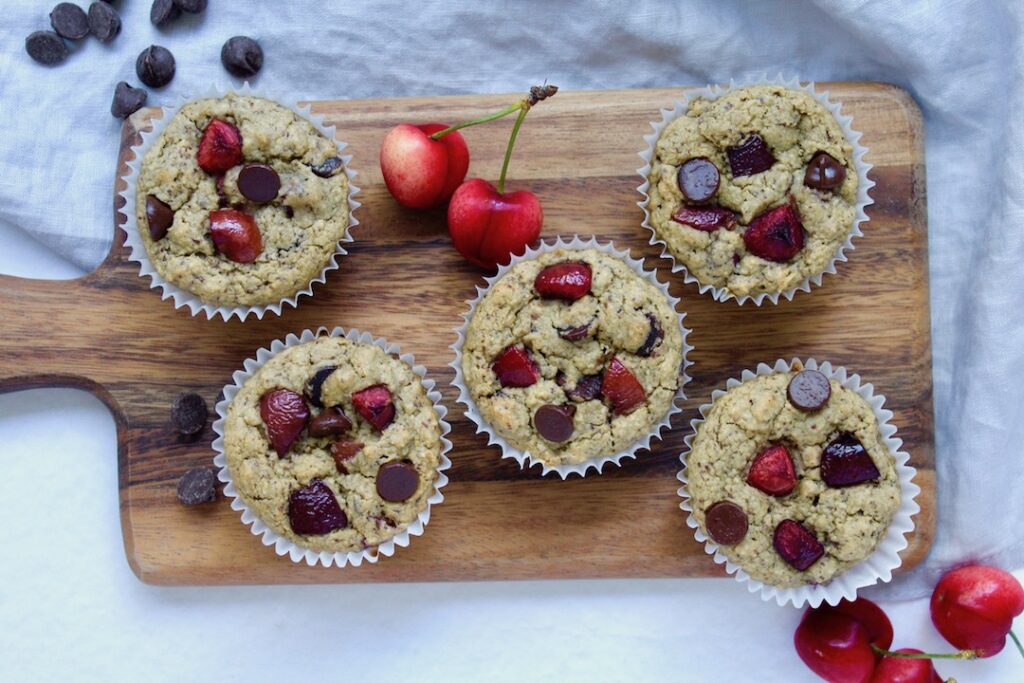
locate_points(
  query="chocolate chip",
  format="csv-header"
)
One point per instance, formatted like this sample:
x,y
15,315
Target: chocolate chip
x,y
587,388
163,12
258,182
155,66
574,334
824,172
191,6
726,522
654,337
289,212
750,156
698,180
329,167
242,56
343,451
159,215
104,21
198,485
554,423
397,480
127,101
69,21
316,383
330,422
188,413
809,390
46,47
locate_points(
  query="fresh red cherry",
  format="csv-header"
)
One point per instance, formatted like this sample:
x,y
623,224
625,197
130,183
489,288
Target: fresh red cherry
x,y
835,642
488,226
973,608
420,171
902,670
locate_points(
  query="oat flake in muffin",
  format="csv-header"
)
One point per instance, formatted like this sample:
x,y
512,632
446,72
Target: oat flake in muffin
x,y
298,223
772,147
572,355
344,484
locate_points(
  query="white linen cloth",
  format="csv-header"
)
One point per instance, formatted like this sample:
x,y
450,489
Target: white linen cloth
x,y
962,61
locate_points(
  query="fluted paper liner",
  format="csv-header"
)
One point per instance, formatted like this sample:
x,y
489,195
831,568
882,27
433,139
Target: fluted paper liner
x,y
525,458
713,92
876,567
284,546
180,296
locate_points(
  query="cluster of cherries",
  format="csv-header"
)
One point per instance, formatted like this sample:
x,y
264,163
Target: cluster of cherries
x,y
973,607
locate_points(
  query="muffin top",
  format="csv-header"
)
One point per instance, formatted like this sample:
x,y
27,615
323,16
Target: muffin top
x,y
754,191
241,201
334,444
572,355
789,476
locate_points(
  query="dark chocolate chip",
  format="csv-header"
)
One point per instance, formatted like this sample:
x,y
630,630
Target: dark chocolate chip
x,y
197,486
191,6
575,334
750,156
343,451
587,388
46,47
397,480
289,212
316,383
726,522
698,180
330,422
329,167
163,12
654,337
824,172
160,217
189,413
845,462
555,423
809,390
127,101
155,66
258,182
69,21
104,21
242,56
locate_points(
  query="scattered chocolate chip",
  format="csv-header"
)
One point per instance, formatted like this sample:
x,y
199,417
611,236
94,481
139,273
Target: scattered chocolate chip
x,y
104,21
750,156
289,212
127,101
342,451
809,390
242,56
69,21
46,47
316,383
313,510
330,422
726,522
155,66
560,378
159,215
654,337
222,197
574,334
163,12
397,480
698,180
197,486
587,388
191,6
329,167
189,413
554,423
845,462
258,182
824,172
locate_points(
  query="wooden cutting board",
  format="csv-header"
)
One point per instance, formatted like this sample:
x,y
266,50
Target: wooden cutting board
x,y
110,334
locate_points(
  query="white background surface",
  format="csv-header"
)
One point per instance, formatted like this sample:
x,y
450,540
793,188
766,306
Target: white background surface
x,y
71,609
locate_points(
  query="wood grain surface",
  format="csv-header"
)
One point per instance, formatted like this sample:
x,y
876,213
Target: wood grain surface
x,y
110,334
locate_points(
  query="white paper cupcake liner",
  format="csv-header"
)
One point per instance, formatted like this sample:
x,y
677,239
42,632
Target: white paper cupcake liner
x,y
284,546
885,558
713,92
182,297
525,458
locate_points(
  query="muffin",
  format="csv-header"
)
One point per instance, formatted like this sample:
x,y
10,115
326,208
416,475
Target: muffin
x,y
572,355
754,191
790,476
334,444
240,201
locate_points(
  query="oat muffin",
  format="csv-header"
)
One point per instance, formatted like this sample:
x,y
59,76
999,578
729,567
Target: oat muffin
x,y
754,191
334,444
572,356
241,201
790,477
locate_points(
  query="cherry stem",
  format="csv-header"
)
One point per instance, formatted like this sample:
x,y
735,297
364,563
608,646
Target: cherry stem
x,y
962,654
511,143
483,119
1016,641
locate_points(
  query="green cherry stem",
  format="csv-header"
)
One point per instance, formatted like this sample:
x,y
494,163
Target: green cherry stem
x,y
1016,641
511,144
962,654
483,119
